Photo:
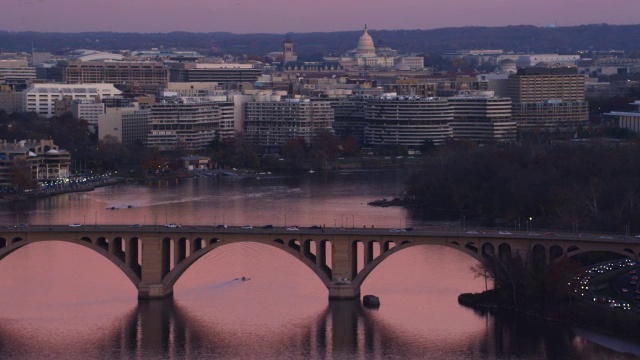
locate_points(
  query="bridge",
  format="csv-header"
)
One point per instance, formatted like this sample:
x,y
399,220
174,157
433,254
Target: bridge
x,y
154,257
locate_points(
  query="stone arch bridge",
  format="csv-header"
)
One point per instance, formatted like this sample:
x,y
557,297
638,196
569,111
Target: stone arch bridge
x,y
154,257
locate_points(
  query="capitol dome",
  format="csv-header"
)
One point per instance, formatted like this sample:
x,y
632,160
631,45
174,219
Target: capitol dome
x,y
507,65
365,45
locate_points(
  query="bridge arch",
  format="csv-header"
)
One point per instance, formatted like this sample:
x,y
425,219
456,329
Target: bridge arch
x,y
624,251
18,243
405,244
292,247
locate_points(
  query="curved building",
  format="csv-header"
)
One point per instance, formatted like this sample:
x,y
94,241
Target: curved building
x,y
483,119
407,120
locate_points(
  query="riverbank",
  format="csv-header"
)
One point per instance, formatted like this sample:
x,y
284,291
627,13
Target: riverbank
x,y
601,319
58,190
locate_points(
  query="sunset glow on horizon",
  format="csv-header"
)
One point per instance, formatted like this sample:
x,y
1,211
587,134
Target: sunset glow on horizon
x,y
279,16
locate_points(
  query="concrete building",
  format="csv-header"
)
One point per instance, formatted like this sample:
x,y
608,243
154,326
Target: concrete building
x,y
407,120
483,118
412,87
629,120
188,123
218,73
146,74
531,60
17,73
10,100
270,123
548,99
40,98
412,62
193,89
129,125
87,109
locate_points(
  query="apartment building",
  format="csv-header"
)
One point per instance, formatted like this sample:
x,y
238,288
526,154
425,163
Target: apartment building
x,y
269,124
188,123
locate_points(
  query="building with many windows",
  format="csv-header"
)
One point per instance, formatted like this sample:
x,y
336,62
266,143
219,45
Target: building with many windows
x,y
482,118
407,120
188,123
270,123
147,74
219,73
548,99
129,125
87,109
17,73
41,98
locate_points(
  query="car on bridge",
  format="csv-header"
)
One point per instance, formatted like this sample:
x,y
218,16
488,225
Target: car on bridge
x,y
172,225
315,227
221,226
504,232
268,227
293,228
247,227
75,225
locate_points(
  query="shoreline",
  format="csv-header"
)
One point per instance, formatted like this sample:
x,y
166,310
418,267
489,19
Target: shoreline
x,y
575,314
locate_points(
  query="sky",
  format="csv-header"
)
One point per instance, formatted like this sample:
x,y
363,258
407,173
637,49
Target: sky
x,y
281,16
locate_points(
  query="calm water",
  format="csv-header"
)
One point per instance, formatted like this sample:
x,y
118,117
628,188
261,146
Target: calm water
x,y
62,301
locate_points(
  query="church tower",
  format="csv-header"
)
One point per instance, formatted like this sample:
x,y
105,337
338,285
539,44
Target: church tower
x,y
287,50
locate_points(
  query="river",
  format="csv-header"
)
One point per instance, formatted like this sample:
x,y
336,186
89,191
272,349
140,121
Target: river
x,y
63,301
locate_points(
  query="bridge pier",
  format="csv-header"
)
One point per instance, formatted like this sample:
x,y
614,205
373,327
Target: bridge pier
x,y
344,292
154,291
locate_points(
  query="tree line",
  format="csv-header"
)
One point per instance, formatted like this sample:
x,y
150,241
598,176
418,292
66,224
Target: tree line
x,y
584,185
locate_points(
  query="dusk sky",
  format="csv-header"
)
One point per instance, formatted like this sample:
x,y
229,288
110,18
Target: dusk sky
x,y
280,16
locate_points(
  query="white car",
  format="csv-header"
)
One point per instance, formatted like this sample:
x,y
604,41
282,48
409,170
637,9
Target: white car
x,y
503,232
172,225
293,228
75,225
397,230
247,227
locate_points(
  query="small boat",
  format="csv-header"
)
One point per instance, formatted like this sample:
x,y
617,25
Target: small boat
x,y
311,171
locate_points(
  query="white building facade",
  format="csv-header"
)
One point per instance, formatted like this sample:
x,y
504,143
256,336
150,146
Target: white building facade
x,y
40,98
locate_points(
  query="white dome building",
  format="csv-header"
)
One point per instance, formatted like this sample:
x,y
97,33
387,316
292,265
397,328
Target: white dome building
x,y
365,48
366,53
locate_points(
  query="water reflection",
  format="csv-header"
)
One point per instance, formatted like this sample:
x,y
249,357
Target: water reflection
x,y
344,330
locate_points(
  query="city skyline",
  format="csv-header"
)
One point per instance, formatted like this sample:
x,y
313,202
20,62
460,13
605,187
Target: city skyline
x,y
278,16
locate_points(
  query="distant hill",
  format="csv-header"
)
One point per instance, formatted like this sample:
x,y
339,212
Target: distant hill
x,y
522,38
